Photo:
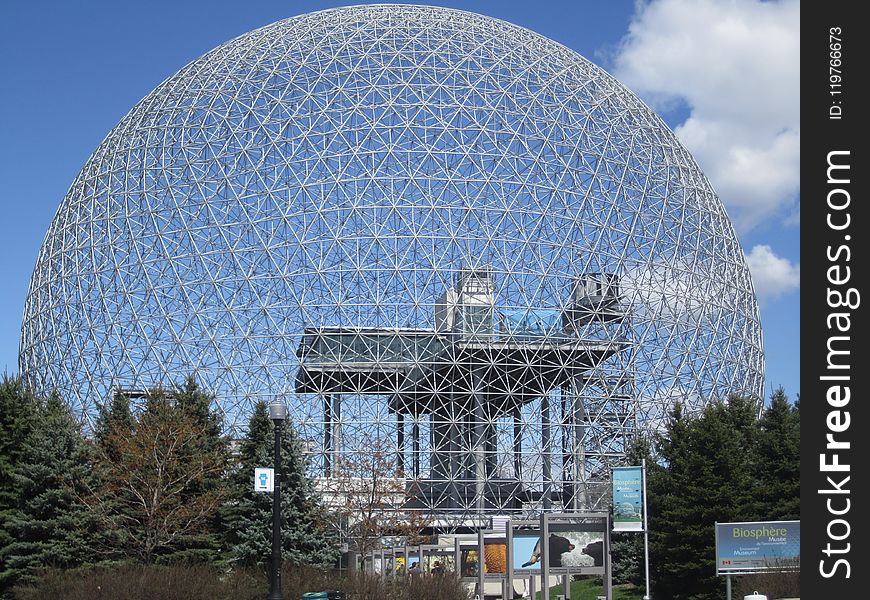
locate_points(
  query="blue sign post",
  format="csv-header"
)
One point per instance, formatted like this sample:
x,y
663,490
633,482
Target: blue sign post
x,y
628,498
629,506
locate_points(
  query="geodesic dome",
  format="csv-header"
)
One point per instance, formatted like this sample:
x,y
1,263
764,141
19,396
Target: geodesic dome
x,y
428,231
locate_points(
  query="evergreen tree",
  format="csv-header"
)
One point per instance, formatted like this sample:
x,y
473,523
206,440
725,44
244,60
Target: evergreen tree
x,y
198,404
708,476
50,525
111,418
306,539
17,408
204,547
778,464
114,423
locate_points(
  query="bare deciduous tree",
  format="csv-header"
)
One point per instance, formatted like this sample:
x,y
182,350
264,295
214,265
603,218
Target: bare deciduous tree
x,y
367,494
155,479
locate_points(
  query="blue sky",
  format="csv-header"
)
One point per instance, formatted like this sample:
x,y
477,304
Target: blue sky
x,y
723,74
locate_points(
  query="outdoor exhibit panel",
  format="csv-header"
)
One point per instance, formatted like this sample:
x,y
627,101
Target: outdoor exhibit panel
x,y
444,240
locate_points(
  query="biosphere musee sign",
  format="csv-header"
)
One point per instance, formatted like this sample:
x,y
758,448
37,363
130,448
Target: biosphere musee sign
x,y
628,499
752,547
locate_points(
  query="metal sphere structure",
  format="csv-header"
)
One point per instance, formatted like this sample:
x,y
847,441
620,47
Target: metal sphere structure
x,y
441,238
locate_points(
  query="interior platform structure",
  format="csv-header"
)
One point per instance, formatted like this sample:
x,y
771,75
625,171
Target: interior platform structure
x,y
469,381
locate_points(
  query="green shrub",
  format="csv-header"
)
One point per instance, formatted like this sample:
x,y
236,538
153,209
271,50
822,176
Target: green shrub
x,y
193,582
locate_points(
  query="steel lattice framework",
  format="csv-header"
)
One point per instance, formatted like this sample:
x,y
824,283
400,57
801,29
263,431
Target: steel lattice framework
x,y
441,238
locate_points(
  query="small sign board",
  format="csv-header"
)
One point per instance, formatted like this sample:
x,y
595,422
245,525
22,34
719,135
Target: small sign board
x,y
264,479
466,559
628,499
756,547
577,543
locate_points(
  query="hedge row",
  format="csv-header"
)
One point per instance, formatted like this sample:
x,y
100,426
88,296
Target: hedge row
x,y
143,582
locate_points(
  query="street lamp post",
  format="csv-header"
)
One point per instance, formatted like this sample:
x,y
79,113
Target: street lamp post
x,y
277,412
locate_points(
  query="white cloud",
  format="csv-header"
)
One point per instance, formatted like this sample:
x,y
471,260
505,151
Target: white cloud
x,y
735,65
772,275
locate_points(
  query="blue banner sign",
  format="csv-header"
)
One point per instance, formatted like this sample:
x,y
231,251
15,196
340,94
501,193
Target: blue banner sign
x,y
755,547
627,499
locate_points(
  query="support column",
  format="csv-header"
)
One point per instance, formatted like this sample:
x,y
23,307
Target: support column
x,y
490,450
415,434
518,444
578,450
566,445
454,445
336,430
478,440
440,448
327,435
400,444
547,449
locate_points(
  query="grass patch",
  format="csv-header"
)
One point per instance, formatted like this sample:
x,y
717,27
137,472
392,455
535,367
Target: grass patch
x,y
590,588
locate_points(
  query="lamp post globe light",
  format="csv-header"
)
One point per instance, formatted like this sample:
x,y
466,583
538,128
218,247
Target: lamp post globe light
x,y
277,412
439,236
